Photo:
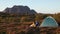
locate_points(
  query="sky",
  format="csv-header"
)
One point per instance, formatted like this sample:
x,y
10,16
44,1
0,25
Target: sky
x,y
40,6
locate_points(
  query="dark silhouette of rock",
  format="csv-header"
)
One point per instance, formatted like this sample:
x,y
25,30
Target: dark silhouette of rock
x,y
21,10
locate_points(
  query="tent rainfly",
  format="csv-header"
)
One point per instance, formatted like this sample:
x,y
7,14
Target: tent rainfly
x,y
49,22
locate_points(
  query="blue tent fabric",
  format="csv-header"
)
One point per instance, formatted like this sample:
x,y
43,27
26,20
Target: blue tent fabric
x,y
49,22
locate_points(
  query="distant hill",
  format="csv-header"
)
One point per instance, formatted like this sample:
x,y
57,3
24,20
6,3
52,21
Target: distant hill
x,y
20,10
23,11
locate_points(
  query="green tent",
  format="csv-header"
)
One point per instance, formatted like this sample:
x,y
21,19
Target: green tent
x,y
49,22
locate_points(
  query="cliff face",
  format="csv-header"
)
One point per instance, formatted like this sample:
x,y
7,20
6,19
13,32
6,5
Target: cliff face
x,y
22,10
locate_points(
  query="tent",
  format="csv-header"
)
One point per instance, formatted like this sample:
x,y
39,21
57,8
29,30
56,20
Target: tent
x,y
49,22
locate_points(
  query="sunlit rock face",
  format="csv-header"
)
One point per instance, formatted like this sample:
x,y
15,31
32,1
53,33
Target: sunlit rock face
x,y
49,22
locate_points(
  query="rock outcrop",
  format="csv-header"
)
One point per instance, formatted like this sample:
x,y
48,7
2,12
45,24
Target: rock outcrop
x,y
21,10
